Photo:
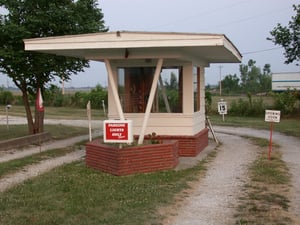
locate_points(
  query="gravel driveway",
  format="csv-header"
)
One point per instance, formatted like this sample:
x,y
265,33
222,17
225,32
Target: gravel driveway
x,y
290,148
214,197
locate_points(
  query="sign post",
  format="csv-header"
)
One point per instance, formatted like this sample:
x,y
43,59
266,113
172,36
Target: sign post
x,y
222,108
89,115
271,116
103,106
6,109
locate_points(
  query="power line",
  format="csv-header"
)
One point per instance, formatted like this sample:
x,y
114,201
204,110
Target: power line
x,y
216,9
263,50
253,17
201,13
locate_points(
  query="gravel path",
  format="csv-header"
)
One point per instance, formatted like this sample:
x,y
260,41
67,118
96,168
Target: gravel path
x,y
17,154
34,170
290,148
213,199
22,120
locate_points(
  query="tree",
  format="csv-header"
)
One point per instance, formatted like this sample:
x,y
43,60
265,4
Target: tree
x,y
265,80
253,80
42,18
289,37
173,83
230,84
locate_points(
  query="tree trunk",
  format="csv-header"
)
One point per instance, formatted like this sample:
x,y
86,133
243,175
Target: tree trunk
x,y
38,122
28,112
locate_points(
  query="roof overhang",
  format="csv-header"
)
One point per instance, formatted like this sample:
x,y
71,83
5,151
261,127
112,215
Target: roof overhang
x,y
205,48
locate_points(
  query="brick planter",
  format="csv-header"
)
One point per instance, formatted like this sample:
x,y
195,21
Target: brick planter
x,y
131,160
189,146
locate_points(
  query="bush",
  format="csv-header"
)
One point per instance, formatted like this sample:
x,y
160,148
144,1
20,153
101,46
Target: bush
x,y
247,108
96,96
208,101
286,102
6,97
80,99
53,96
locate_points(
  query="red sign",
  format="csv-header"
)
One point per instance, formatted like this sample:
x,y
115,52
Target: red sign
x,y
117,131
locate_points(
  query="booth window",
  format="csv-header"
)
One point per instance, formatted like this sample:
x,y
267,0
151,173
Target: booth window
x,y
134,85
196,80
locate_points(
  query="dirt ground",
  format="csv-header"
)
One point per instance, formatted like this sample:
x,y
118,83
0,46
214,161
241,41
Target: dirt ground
x,y
212,200
290,148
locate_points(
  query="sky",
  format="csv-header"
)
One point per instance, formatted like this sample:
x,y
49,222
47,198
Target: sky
x,y
246,23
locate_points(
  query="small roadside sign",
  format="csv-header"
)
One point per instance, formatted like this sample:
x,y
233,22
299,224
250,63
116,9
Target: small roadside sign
x,y
117,131
272,116
222,107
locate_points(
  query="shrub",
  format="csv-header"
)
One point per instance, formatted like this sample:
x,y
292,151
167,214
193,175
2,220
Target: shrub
x,y
79,99
247,108
6,97
208,101
286,102
53,96
96,96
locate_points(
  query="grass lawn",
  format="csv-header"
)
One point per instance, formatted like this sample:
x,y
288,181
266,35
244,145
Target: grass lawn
x,y
17,164
57,131
289,126
267,100
265,198
74,194
56,112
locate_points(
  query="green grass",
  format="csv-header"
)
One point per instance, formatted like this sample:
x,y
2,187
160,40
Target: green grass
x,y
74,194
289,126
273,171
17,164
56,112
267,100
262,142
267,190
57,131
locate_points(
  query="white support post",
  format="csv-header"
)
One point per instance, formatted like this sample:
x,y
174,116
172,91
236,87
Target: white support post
x,y
113,85
150,100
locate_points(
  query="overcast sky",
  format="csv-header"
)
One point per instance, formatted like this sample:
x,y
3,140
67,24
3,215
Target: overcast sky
x,y
246,23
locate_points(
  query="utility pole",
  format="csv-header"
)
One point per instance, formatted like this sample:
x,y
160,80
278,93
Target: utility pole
x,y
63,85
220,84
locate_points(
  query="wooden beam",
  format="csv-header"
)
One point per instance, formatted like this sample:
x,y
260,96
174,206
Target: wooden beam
x,y
113,86
150,100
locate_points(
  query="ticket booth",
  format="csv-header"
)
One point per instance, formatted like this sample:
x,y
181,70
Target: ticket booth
x,y
156,79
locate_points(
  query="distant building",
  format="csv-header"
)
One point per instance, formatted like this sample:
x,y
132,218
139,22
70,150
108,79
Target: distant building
x,y
285,81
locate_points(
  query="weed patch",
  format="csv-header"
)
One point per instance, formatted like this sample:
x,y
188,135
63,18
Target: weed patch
x,y
265,198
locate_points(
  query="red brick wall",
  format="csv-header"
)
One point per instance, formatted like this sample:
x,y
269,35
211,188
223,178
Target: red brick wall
x,y
145,158
189,146
139,159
